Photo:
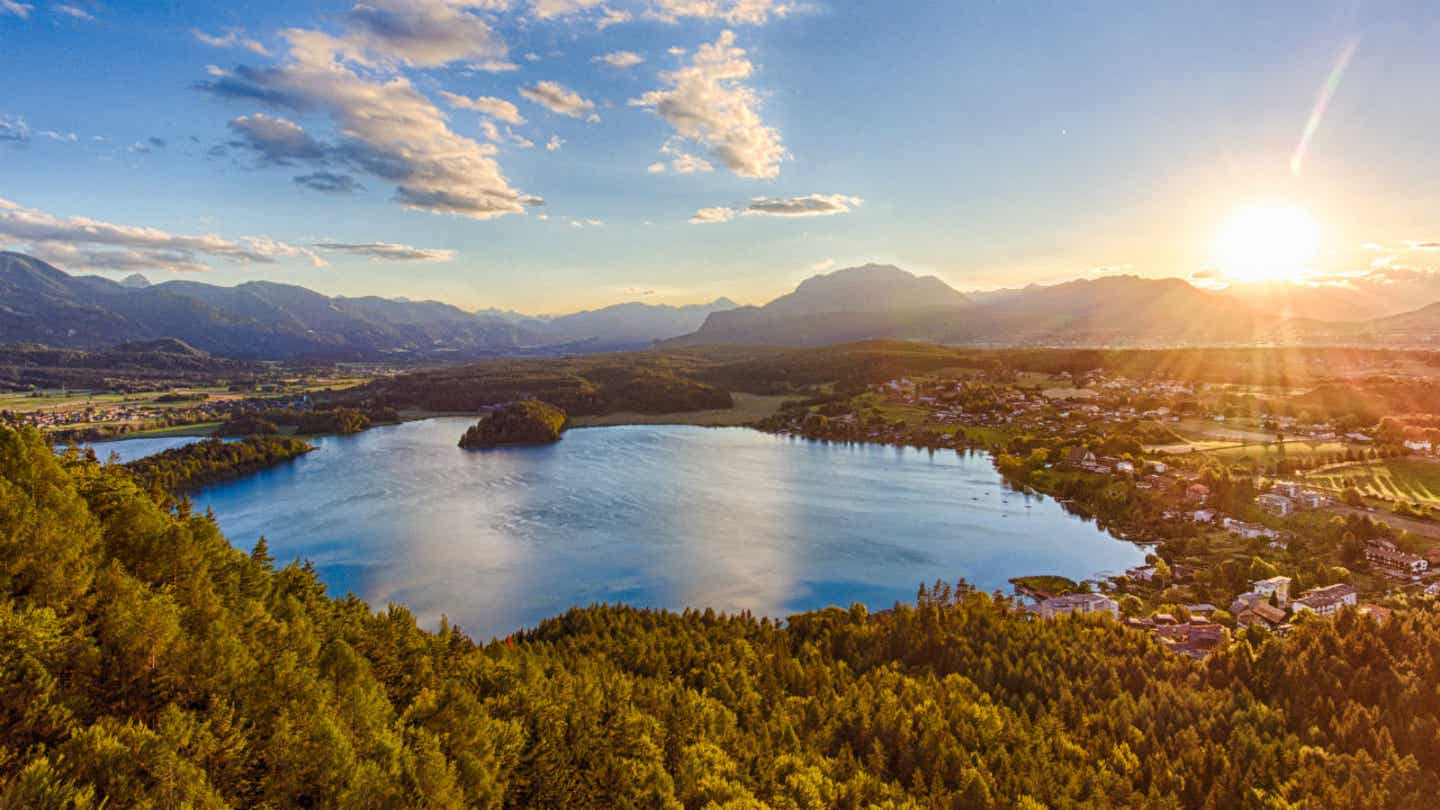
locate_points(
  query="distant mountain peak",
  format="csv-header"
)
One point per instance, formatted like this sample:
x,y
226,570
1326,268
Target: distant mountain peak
x,y
135,281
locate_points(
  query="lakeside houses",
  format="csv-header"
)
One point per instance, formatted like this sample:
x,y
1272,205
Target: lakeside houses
x,y
1388,557
1086,603
1278,587
1328,600
1289,489
1260,614
1144,573
1249,531
1195,638
1275,504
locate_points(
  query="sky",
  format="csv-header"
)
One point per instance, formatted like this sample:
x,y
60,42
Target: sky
x,y
552,155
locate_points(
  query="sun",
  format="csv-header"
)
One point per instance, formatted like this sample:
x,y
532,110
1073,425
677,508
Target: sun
x,y
1267,243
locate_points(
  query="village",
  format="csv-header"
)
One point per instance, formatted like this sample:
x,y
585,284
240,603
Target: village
x,y
1253,519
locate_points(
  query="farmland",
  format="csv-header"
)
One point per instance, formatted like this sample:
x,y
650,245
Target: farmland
x,y
1410,479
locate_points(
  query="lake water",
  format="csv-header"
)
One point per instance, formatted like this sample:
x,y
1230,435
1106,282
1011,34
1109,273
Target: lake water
x,y
131,449
664,516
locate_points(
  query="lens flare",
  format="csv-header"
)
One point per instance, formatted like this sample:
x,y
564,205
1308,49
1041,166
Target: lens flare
x,y
1322,102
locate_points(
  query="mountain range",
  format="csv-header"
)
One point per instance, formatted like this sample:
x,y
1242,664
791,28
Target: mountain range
x,y
882,301
42,304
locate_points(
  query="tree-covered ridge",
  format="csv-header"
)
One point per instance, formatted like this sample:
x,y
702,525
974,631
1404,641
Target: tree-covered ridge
x,y
528,421
205,462
146,662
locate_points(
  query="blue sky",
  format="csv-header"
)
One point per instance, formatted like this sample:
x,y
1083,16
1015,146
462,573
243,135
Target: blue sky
x,y
993,144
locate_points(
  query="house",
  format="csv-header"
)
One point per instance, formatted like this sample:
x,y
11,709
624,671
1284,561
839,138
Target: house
x,y
1279,587
1289,489
1142,573
1197,493
1158,467
1386,555
1260,614
1249,531
1375,613
1275,504
1124,467
1328,600
1079,603
1203,516
1202,609
1079,457
1312,500
1417,446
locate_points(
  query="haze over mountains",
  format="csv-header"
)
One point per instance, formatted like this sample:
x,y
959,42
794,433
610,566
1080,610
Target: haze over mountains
x,y
264,320
39,303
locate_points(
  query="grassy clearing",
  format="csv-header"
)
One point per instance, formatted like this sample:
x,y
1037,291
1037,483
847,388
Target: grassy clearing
x,y
1272,452
1412,480
748,408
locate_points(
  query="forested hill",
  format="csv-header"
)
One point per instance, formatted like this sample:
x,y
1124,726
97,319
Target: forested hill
x,y
145,662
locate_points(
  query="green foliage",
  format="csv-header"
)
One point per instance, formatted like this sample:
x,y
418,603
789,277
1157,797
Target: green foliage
x,y
525,422
145,662
194,465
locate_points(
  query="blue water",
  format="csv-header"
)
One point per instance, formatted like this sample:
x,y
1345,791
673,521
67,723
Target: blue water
x,y
130,449
660,516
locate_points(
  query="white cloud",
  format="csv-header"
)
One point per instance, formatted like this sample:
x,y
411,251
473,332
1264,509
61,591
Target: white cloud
x,y
81,243
554,144
388,251
550,9
233,38
63,137
21,10
611,16
707,104
14,129
711,215
276,140
734,12
676,51
387,127
689,164
810,205
424,33
73,12
497,108
559,99
656,168
492,132
620,60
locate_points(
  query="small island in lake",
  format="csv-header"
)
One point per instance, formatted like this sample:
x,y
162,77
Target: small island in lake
x,y
528,421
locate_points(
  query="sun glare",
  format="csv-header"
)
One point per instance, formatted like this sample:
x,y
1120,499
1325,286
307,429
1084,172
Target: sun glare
x,y
1267,243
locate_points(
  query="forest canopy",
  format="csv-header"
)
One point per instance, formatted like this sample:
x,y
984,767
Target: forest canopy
x,y
146,662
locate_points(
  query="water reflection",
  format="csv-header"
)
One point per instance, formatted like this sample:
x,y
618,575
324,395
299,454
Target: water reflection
x,y
654,515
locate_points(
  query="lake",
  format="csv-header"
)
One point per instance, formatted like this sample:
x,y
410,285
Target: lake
x,y
130,449
663,516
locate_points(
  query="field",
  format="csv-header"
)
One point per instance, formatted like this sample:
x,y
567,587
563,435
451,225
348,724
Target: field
x,y
1412,480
